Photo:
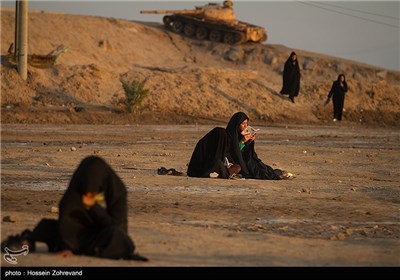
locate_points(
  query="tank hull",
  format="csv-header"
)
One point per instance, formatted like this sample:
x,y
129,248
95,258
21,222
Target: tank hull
x,y
230,32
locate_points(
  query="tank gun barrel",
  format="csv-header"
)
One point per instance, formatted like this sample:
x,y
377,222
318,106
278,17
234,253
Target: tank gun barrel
x,y
182,12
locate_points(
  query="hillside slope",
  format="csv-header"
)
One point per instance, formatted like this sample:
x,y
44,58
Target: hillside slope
x,y
188,81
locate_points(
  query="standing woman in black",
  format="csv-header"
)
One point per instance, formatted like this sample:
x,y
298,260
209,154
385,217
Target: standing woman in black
x,y
337,93
291,77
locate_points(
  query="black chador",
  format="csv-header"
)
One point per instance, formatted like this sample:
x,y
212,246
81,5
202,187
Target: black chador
x,y
209,155
99,230
252,166
291,77
337,93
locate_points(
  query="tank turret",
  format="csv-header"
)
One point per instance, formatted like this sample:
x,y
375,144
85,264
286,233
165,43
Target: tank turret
x,y
214,22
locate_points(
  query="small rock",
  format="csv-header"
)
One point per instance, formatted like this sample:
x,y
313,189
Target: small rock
x,y
382,74
54,209
306,190
341,236
349,231
353,189
73,149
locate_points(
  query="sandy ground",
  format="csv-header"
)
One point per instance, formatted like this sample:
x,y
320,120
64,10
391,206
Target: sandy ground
x,y
342,209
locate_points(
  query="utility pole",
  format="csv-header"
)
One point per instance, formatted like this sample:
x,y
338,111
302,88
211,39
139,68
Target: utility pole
x,y
16,29
22,37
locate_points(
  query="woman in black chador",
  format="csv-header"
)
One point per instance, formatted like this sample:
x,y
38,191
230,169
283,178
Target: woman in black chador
x,y
92,217
243,153
210,155
291,77
337,93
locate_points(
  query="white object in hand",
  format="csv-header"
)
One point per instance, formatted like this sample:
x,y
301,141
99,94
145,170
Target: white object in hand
x,y
250,130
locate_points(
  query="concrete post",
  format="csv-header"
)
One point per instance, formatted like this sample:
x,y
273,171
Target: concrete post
x,y
23,39
16,28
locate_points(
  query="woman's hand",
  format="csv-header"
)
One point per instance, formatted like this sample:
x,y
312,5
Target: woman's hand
x,y
88,199
248,137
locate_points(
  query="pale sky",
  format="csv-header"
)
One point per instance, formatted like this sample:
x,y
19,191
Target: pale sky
x,y
364,31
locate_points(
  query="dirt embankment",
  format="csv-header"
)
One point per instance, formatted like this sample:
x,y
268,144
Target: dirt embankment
x,y
188,81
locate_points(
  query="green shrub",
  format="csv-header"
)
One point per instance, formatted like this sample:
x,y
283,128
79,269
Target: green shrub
x,y
135,93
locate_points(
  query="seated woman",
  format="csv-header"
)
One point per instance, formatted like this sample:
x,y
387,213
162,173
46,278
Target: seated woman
x,y
243,153
208,158
92,217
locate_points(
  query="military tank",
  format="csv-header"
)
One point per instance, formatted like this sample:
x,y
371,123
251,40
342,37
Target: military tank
x,y
214,22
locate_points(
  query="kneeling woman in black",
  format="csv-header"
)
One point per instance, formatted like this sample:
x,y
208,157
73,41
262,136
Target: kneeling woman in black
x,y
243,153
93,217
210,155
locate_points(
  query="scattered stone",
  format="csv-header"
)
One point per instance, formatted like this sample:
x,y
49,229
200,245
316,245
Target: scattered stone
x,y
349,231
284,228
308,64
236,53
54,210
382,74
341,236
73,149
353,189
79,109
259,226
